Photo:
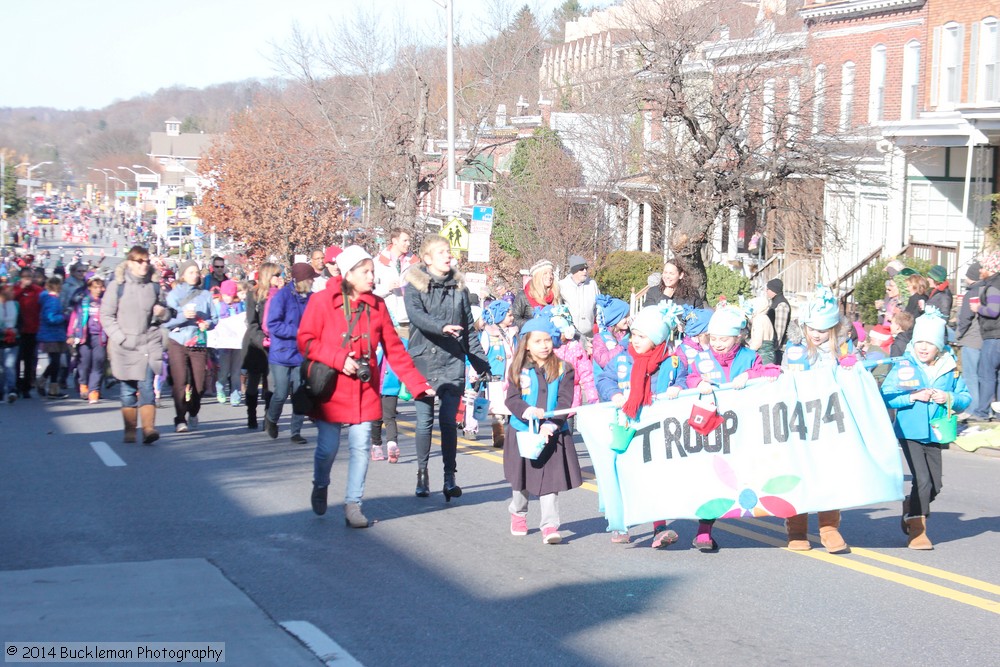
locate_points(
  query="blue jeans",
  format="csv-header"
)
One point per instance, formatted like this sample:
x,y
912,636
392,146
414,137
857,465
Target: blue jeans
x,y
989,365
284,380
327,445
230,362
8,373
450,395
144,389
970,372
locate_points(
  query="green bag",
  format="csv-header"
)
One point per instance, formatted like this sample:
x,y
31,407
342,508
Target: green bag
x,y
404,393
621,435
944,429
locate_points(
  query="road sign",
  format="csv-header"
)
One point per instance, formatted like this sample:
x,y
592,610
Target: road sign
x,y
484,213
32,183
126,193
457,234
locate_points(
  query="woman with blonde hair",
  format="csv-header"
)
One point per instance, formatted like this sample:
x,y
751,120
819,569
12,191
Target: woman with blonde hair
x,y
542,290
442,336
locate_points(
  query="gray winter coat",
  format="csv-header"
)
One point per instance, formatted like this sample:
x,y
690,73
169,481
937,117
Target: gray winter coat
x,y
431,304
135,341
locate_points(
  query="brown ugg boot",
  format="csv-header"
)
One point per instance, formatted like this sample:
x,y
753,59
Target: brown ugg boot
x,y
797,527
129,416
498,435
148,415
918,534
829,533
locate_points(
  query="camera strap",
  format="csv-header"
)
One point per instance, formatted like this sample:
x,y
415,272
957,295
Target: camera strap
x,y
354,321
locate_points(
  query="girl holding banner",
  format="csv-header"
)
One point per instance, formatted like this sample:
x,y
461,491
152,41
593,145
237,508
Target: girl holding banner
x,y
648,368
824,345
925,421
726,361
538,382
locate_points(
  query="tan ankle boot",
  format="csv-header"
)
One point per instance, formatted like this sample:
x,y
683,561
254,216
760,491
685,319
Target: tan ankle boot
x,y
498,435
918,534
829,533
129,416
149,433
84,391
797,528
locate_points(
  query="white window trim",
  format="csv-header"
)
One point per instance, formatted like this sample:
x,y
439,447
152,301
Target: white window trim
x,y
909,103
876,83
819,98
847,77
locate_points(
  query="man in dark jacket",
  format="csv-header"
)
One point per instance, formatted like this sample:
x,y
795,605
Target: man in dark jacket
x,y
442,336
779,312
988,313
968,334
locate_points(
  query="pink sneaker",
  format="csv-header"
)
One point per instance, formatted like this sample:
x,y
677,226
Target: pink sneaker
x,y
377,454
619,537
551,535
518,525
393,452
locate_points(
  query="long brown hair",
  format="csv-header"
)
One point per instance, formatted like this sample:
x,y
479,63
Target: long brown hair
x,y
267,271
684,290
551,369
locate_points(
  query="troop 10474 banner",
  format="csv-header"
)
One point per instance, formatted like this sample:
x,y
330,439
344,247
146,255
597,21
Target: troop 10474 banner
x,y
805,442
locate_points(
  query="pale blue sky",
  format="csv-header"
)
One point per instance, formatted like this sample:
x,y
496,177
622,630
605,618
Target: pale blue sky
x,y
71,54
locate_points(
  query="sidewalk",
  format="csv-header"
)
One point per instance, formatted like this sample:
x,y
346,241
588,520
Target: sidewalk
x,y
187,600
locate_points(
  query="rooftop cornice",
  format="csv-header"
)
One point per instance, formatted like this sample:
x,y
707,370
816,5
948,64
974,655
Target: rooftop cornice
x,y
856,8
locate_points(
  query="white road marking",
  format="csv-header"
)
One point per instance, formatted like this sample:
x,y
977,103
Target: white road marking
x,y
103,450
317,641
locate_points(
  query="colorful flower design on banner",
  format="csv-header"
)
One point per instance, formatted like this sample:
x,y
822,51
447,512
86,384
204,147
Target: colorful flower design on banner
x,y
749,502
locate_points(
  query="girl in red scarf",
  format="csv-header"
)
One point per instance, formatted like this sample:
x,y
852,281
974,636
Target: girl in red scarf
x,y
651,368
542,290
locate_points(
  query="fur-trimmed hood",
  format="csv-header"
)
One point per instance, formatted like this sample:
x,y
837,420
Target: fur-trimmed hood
x,y
418,276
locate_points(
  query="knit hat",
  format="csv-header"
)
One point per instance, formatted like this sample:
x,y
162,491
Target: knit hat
x,y
657,322
991,262
228,287
880,335
610,311
929,327
821,312
727,321
938,273
973,272
542,322
576,263
496,312
894,267
540,265
303,271
776,285
696,320
759,304
331,254
562,320
477,313
906,272
185,266
351,256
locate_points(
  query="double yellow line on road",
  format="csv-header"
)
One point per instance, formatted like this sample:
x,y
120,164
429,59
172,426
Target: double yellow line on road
x,y
739,527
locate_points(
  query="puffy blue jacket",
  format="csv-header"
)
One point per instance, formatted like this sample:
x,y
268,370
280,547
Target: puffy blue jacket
x,y
616,376
52,321
180,327
284,316
913,418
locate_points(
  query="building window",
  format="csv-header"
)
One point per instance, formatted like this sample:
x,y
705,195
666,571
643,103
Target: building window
x,y
988,80
768,115
876,84
819,98
846,97
911,80
794,100
946,72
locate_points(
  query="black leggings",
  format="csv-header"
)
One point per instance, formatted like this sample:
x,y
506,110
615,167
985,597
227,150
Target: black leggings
x,y
925,467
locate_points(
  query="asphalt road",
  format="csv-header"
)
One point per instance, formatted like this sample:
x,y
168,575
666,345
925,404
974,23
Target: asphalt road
x,y
435,583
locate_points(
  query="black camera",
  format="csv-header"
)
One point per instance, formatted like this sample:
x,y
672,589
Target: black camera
x,y
364,369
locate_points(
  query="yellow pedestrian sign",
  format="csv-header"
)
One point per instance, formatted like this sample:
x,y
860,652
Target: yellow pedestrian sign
x,y
457,234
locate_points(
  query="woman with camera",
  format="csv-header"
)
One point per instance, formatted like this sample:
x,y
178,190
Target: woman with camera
x,y
342,327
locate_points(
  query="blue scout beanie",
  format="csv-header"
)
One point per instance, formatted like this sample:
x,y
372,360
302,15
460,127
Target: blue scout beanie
x,y
496,311
727,321
610,311
822,312
929,327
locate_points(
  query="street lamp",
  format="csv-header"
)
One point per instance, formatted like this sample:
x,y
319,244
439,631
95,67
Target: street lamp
x,y
27,196
451,188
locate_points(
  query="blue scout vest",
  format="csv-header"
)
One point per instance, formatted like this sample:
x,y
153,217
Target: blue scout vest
x,y
711,370
689,352
529,392
496,353
665,375
608,339
796,356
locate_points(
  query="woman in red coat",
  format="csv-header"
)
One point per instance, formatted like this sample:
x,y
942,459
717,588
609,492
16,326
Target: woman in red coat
x,y
342,327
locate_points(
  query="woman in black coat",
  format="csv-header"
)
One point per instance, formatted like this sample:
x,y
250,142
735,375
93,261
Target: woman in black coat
x,y
441,337
254,351
675,286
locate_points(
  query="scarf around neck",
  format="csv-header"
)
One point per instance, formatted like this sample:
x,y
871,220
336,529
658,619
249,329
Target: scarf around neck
x,y
644,366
